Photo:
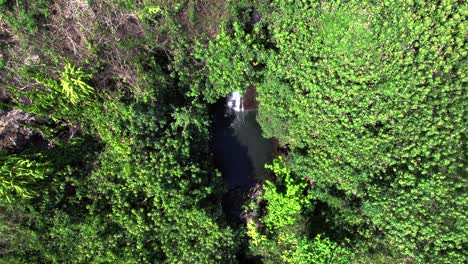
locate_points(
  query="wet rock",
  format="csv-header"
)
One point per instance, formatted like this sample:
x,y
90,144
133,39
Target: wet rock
x,y
249,99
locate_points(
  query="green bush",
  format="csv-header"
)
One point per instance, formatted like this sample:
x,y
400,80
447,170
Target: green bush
x,y
370,97
17,174
61,98
230,61
280,235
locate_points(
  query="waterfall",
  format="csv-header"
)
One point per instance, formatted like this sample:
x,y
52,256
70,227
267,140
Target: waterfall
x,y
234,101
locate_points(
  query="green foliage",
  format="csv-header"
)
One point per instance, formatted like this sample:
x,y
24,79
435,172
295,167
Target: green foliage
x,y
62,98
17,173
144,199
283,238
26,224
319,250
149,12
73,86
150,175
24,15
125,4
230,61
283,209
288,247
17,240
370,97
135,182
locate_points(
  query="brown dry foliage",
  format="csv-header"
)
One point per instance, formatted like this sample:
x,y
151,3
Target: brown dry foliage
x,y
207,18
91,33
112,27
80,33
71,22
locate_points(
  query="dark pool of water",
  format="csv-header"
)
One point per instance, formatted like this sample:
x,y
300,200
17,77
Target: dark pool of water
x,y
240,153
239,149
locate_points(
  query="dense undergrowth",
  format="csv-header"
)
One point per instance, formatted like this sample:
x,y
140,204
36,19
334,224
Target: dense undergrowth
x,y
368,96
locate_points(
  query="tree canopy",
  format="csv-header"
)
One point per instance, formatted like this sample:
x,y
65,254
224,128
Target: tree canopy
x,y
106,157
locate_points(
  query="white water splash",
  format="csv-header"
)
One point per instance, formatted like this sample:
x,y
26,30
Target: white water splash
x,y
234,101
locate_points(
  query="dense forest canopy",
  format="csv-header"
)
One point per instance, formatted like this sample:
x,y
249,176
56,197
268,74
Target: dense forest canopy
x,y
105,130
